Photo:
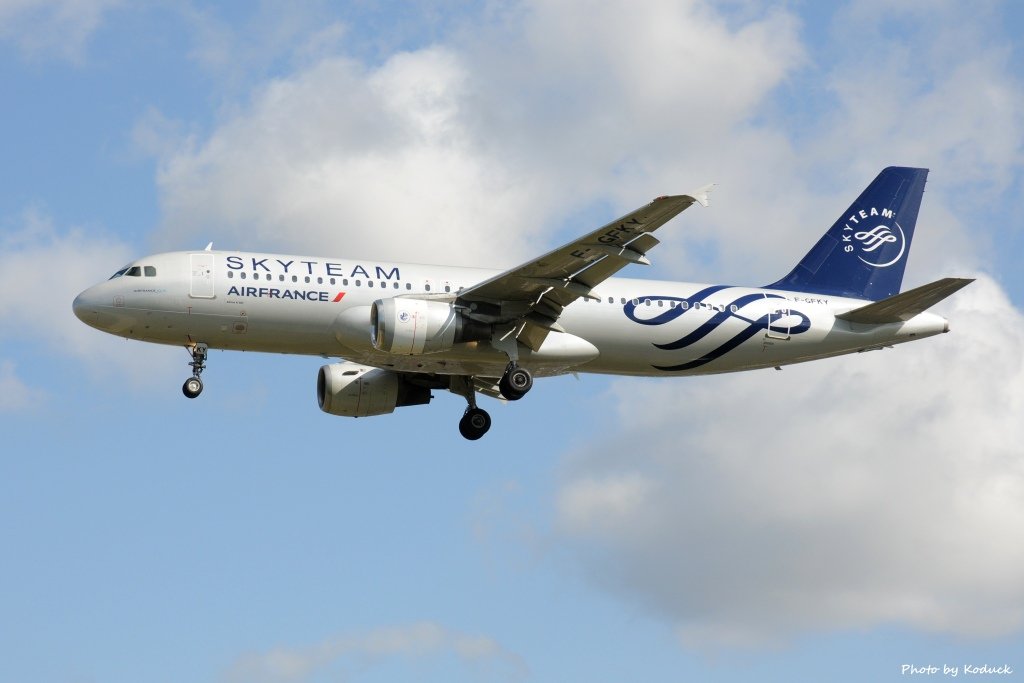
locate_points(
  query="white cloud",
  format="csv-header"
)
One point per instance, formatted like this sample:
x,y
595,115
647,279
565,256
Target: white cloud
x,y
926,101
340,160
877,489
15,395
859,491
839,498
43,28
416,641
250,44
44,269
474,150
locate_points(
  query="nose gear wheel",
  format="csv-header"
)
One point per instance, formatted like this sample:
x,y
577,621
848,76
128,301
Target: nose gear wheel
x,y
193,386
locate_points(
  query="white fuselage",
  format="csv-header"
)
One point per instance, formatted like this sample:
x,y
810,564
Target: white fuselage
x,y
317,306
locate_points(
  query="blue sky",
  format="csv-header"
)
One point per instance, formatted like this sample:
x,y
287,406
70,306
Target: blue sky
x,y
833,521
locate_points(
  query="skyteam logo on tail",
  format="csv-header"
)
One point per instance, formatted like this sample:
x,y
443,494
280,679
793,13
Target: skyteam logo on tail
x,y
871,239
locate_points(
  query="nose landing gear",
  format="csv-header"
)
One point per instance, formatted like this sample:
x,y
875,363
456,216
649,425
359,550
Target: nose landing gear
x,y
193,386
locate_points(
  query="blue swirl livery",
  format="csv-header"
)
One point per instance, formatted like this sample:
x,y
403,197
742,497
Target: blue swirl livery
x,y
730,318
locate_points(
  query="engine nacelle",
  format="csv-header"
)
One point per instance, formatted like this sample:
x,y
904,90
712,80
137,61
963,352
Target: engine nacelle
x,y
412,327
353,390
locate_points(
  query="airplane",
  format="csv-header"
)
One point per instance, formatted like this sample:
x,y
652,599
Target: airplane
x,y
402,330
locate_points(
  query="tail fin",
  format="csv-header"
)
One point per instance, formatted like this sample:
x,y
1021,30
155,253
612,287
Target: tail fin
x,y
863,255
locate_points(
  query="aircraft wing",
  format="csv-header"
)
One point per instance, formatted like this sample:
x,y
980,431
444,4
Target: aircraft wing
x,y
532,296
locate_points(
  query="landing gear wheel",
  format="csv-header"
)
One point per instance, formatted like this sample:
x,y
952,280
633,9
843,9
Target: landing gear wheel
x,y
515,383
192,387
474,423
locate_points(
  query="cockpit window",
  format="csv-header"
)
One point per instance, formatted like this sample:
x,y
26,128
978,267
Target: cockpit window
x,y
134,271
150,271
119,273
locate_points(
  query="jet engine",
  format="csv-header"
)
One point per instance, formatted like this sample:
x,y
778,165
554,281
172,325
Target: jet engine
x,y
353,390
413,327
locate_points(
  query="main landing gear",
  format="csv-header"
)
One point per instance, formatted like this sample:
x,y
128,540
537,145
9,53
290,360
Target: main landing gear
x,y
515,382
193,386
475,421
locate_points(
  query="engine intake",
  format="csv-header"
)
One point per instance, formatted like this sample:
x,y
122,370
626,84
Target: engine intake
x,y
413,327
353,390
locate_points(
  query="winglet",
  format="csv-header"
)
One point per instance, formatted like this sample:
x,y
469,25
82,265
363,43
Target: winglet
x,y
701,195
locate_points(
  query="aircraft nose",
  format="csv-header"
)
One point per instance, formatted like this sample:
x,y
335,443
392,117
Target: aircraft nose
x,y
79,306
86,307
102,307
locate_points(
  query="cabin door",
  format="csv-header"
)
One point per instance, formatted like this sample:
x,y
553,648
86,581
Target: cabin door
x,y
201,267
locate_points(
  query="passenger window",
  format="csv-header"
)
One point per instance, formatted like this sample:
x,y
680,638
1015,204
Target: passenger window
x,y
369,283
241,275
280,278
426,288
611,299
733,308
319,280
408,286
685,305
231,274
396,285
295,278
307,279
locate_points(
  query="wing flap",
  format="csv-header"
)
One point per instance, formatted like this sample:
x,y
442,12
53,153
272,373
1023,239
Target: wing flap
x,y
906,305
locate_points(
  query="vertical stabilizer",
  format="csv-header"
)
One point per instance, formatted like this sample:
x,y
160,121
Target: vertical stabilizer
x,y
863,255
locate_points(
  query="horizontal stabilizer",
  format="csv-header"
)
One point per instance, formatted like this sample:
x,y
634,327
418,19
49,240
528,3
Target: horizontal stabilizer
x,y
905,306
